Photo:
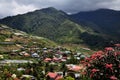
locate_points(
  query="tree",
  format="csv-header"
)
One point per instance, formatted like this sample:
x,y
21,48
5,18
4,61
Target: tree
x,y
69,78
104,65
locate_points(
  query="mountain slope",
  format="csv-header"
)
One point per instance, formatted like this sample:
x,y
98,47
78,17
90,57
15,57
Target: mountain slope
x,y
102,20
55,25
12,39
48,22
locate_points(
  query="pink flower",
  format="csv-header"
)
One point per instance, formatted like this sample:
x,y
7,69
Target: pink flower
x,y
88,59
113,78
116,53
109,66
97,55
93,71
93,56
99,52
119,65
117,45
109,49
88,65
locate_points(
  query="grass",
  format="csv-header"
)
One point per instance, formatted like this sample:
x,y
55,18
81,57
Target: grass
x,y
78,48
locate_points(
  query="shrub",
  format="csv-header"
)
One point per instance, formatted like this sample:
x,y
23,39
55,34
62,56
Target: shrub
x,y
104,65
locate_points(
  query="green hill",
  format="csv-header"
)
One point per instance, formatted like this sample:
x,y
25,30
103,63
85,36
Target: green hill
x,y
102,20
12,39
55,25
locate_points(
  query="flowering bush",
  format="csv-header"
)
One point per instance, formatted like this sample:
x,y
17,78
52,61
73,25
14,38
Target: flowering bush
x,y
104,65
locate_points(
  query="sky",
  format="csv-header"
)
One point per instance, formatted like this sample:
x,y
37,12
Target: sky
x,y
14,7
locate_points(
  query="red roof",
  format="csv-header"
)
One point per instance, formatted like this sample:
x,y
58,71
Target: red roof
x,y
47,59
26,54
75,68
16,79
64,57
56,59
54,75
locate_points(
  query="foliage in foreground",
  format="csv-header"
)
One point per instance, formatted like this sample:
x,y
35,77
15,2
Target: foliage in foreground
x,y
104,65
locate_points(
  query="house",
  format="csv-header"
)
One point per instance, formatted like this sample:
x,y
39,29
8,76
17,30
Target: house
x,y
8,40
26,77
47,59
53,76
20,69
78,54
15,50
78,58
15,61
67,52
59,52
77,75
45,51
75,68
24,54
35,55
60,73
56,59
44,48
19,34
13,76
86,49
82,56
58,56
7,43
63,60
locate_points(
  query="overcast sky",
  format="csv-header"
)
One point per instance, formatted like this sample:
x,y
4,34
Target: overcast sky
x,y
13,7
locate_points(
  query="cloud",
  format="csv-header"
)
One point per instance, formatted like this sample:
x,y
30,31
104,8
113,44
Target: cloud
x,y
13,7
20,9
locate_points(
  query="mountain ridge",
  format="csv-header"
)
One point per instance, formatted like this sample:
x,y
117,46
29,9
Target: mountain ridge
x,y
105,19
55,25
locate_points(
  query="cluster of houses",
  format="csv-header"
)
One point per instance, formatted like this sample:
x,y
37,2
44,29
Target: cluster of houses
x,y
53,56
73,71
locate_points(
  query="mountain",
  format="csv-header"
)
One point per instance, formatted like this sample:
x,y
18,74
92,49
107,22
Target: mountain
x,y
56,25
12,39
106,21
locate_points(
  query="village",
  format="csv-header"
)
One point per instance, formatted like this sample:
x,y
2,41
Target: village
x,y
28,57
54,62
59,40
21,62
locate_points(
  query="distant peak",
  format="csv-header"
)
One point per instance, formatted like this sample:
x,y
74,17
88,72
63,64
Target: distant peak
x,y
99,10
50,8
104,9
